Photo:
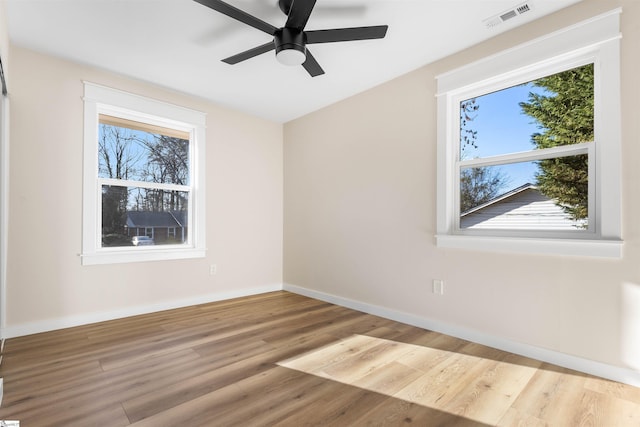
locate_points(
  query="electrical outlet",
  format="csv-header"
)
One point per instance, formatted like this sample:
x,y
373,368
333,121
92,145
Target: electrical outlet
x,y
438,287
213,269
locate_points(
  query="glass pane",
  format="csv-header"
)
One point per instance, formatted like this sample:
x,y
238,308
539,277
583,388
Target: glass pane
x,y
547,112
140,152
542,195
134,216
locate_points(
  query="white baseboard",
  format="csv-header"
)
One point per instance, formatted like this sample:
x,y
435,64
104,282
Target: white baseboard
x,y
85,319
615,373
592,367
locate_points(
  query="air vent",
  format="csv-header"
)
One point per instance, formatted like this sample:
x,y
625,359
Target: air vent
x,y
507,15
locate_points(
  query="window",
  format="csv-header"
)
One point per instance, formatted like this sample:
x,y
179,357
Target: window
x,y
143,176
523,157
529,146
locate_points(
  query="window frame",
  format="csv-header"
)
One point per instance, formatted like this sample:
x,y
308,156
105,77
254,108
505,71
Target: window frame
x,y
588,148
104,100
594,41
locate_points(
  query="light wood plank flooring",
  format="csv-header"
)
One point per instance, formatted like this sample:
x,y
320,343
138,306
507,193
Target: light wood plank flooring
x,y
281,359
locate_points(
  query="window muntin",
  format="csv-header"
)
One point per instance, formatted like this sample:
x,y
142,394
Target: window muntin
x,y
547,122
159,174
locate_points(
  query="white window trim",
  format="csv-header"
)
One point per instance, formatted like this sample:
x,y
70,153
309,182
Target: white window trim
x,y
103,100
595,40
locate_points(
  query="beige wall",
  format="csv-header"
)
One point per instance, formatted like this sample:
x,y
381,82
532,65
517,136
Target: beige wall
x,y
4,38
46,282
360,218
4,163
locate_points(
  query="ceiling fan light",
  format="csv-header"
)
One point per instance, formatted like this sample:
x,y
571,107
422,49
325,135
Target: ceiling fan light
x,y
290,46
291,56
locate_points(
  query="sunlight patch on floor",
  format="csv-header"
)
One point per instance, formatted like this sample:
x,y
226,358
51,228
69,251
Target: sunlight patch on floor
x,y
478,388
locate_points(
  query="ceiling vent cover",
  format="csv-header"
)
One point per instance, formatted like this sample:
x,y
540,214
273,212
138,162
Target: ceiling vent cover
x,y
507,15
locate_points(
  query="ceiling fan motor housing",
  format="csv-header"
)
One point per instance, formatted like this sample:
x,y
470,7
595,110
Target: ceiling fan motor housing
x,y
290,46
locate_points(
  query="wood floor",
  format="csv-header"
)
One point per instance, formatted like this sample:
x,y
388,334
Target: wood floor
x,y
281,359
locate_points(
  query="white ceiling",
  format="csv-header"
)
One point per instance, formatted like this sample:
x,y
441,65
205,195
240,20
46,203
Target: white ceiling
x,y
179,44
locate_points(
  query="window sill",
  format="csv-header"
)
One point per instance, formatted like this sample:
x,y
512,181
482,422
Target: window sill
x,y
142,255
567,247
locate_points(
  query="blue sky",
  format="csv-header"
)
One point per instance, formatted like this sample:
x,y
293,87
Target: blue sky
x,y
503,128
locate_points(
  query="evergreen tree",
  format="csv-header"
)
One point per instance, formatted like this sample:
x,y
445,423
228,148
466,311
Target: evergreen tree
x,y
565,116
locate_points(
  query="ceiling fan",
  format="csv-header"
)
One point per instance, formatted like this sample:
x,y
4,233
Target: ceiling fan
x,y
290,42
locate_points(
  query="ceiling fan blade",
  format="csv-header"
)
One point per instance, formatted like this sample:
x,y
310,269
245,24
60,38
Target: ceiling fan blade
x,y
311,65
237,14
247,54
300,13
346,34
